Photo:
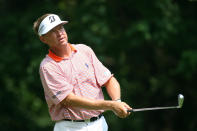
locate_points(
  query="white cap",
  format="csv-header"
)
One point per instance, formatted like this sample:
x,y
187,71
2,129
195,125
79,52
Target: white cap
x,y
49,23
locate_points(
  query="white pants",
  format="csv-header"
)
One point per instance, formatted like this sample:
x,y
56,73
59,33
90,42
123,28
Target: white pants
x,y
98,125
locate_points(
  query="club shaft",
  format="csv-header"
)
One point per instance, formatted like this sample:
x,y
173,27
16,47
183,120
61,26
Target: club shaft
x,y
153,108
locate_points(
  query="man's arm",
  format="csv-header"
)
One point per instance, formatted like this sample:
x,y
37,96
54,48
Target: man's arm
x,y
119,108
113,88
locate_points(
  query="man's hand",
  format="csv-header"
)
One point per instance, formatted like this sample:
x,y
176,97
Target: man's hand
x,y
120,109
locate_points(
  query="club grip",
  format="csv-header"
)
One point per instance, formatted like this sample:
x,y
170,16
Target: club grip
x,y
130,110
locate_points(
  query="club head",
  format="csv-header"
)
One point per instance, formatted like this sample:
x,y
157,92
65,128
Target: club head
x,y
180,100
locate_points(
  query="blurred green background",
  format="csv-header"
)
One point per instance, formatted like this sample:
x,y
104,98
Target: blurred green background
x,y
150,46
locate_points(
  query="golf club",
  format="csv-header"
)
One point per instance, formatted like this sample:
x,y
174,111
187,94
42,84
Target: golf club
x,y
180,104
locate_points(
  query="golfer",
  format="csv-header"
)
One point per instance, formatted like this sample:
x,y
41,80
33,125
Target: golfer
x,y
72,78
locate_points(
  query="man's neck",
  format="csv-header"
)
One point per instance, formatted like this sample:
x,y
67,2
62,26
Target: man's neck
x,y
63,51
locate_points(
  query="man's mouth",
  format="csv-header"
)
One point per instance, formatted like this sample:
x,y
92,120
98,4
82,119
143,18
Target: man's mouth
x,y
61,39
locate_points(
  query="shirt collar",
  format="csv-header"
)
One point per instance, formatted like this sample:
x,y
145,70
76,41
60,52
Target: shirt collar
x,y
58,58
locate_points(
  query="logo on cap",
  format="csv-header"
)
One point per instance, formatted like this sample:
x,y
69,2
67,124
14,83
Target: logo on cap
x,y
51,19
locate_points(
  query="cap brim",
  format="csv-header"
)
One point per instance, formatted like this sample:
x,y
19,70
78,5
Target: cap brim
x,y
64,22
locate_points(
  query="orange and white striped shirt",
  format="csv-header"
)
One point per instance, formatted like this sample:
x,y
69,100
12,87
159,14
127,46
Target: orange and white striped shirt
x,y
82,74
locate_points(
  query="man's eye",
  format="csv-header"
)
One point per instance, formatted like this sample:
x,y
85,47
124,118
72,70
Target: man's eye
x,y
52,30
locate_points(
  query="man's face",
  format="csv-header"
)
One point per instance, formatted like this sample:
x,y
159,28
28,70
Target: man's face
x,y
56,37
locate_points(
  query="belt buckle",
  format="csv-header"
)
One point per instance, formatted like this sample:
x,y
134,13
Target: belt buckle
x,y
87,120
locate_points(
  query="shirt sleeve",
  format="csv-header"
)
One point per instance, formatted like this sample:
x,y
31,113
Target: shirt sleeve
x,y
101,72
55,85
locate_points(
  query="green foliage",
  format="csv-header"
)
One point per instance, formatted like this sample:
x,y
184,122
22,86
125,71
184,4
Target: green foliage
x,y
150,46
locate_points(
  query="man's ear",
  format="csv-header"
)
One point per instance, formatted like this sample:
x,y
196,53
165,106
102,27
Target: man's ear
x,y
42,39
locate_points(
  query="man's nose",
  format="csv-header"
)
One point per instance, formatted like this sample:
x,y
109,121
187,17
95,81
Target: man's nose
x,y
59,32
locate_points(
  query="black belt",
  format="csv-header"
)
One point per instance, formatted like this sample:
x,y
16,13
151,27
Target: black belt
x,y
87,120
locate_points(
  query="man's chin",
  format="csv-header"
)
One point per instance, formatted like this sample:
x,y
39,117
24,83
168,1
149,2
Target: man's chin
x,y
63,43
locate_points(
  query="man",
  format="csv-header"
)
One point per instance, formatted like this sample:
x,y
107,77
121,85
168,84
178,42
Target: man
x,y
72,78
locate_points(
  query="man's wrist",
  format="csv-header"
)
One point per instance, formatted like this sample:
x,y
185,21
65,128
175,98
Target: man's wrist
x,y
118,100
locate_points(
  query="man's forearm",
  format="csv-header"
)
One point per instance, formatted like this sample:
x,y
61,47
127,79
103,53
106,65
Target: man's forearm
x,y
86,103
113,88
119,108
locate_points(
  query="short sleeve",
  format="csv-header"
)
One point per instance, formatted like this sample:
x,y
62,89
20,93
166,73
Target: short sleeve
x,y
55,85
